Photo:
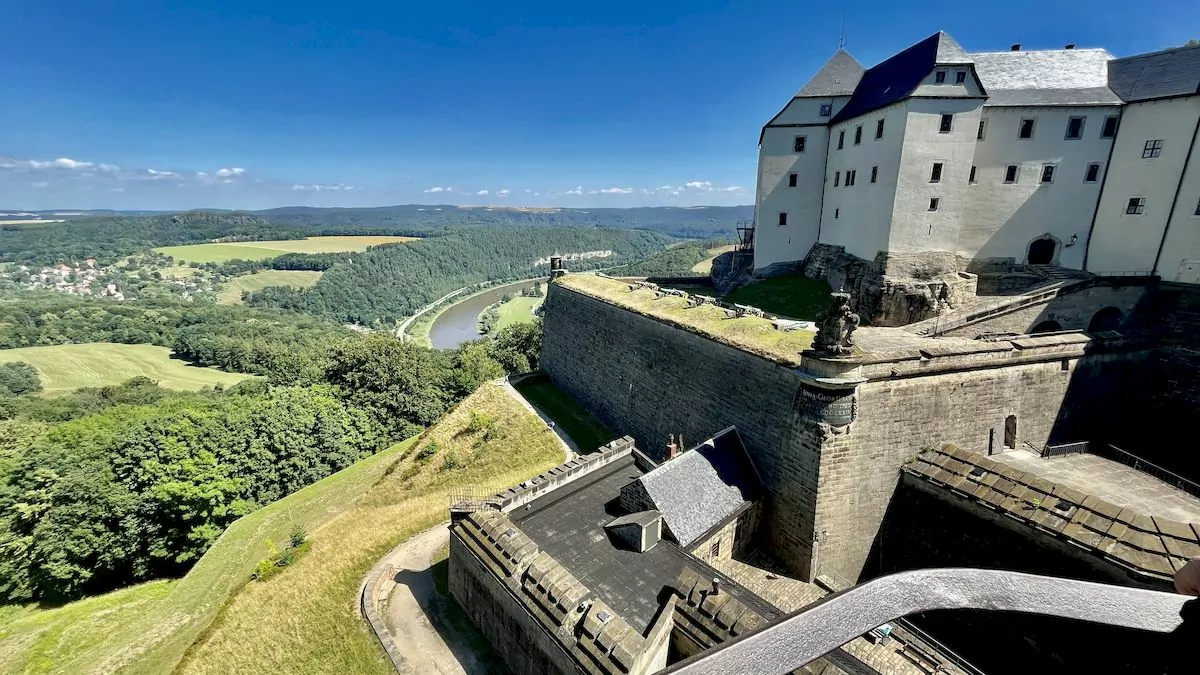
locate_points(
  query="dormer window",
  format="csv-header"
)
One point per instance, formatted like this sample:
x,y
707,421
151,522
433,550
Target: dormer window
x,y
960,77
939,77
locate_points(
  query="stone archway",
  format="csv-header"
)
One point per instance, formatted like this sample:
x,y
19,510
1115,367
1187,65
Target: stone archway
x,y
1043,250
1046,327
1108,318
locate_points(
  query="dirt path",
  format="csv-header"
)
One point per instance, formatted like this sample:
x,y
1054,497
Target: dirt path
x,y
415,612
569,445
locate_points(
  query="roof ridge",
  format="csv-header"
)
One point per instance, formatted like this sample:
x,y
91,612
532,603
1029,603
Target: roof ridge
x,y
1156,53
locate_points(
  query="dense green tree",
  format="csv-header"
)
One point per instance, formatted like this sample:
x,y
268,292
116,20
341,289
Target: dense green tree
x,y
18,378
518,347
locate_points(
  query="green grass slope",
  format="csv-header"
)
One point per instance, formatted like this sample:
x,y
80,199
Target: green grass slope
x,y
96,364
231,294
148,628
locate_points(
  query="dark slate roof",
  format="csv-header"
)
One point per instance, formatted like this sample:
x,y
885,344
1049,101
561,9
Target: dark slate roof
x,y
703,487
1046,77
1020,97
1171,72
897,77
838,77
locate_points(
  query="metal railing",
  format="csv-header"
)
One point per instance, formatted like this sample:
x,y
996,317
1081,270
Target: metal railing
x,y
1079,447
1165,475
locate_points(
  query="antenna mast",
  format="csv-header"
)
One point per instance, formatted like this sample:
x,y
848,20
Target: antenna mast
x,y
842,32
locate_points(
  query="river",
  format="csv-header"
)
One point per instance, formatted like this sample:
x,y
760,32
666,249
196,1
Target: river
x,y
460,322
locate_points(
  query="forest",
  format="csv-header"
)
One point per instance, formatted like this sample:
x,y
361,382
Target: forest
x,y
675,261
387,283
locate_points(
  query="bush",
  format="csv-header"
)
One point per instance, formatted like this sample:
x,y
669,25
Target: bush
x,y
427,451
450,463
299,535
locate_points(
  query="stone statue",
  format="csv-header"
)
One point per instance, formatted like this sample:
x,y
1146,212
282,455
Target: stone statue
x,y
835,326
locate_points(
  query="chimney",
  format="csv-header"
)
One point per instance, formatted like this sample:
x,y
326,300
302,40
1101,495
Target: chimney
x,y
672,449
716,587
1015,48
1070,46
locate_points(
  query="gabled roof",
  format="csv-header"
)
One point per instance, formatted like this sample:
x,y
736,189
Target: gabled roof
x,y
1171,72
838,77
1046,77
703,487
897,77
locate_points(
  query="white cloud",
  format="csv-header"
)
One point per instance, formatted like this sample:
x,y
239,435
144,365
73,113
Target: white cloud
x,y
482,192
156,175
108,167
226,173
504,192
731,188
617,191
699,185
61,163
41,184
577,191
340,187
593,192
201,174
437,189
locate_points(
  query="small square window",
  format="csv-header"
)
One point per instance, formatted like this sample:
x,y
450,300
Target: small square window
x,y
934,203
858,135
799,143
947,124
1093,173
879,129
1110,127
935,176
782,219
1136,206
841,139
826,109
960,77
939,77
971,178
1010,173
792,178
1026,129
982,127
837,178
1047,173
874,173
1152,149
1075,128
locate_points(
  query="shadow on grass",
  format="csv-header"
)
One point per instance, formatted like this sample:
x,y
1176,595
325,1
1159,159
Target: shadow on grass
x,y
457,629
572,418
797,297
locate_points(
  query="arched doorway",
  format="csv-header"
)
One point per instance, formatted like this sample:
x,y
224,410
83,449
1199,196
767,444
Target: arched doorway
x,y
1108,318
1046,327
1041,251
1010,432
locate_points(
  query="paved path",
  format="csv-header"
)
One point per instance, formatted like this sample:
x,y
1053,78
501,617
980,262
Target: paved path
x,y
414,611
569,446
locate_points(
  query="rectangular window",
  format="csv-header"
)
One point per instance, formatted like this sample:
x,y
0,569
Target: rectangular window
x,y
826,109
939,77
836,212
782,219
798,144
946,125
879,129
934,203
1152,149
1026,129
1093,173
960,77
1010,173
1197,213
1075,128
851,177
792,180
1110,127
874,173
1136,206
1047,173
935,176
841,139
715,550
971,178
858,135
982,126
837,178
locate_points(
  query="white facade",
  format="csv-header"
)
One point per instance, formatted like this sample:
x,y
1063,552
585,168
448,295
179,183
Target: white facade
x,y
1033,186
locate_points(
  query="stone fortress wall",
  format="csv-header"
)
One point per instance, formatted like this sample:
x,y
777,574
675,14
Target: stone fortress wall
x,y
828,491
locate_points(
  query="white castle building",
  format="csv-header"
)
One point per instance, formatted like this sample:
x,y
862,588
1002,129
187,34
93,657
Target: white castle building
x,y
939,161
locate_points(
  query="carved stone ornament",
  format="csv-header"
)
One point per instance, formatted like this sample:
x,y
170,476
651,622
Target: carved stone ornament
x,y
835,325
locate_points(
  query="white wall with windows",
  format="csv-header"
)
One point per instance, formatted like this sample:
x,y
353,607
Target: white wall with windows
x,y
1180,258
1140,186
1003,218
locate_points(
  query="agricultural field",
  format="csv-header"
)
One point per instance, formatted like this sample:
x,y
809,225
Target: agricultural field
x,y
96,364
261,250
518,310
231,293
148,628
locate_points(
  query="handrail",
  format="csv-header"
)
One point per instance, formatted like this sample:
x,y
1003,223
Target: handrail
x,y
831,622
1165,475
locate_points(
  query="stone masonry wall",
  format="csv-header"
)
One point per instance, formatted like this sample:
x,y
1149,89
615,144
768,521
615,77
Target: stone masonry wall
x,y
1052,401
642,377
1072,311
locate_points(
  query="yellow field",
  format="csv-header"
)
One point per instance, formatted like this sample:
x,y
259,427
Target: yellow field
x,y
261,250
231,294
96,364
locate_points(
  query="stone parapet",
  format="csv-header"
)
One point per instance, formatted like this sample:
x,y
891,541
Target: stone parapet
x,y
709,618
1149,548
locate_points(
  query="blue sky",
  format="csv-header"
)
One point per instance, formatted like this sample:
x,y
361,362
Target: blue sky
x,y
252,103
